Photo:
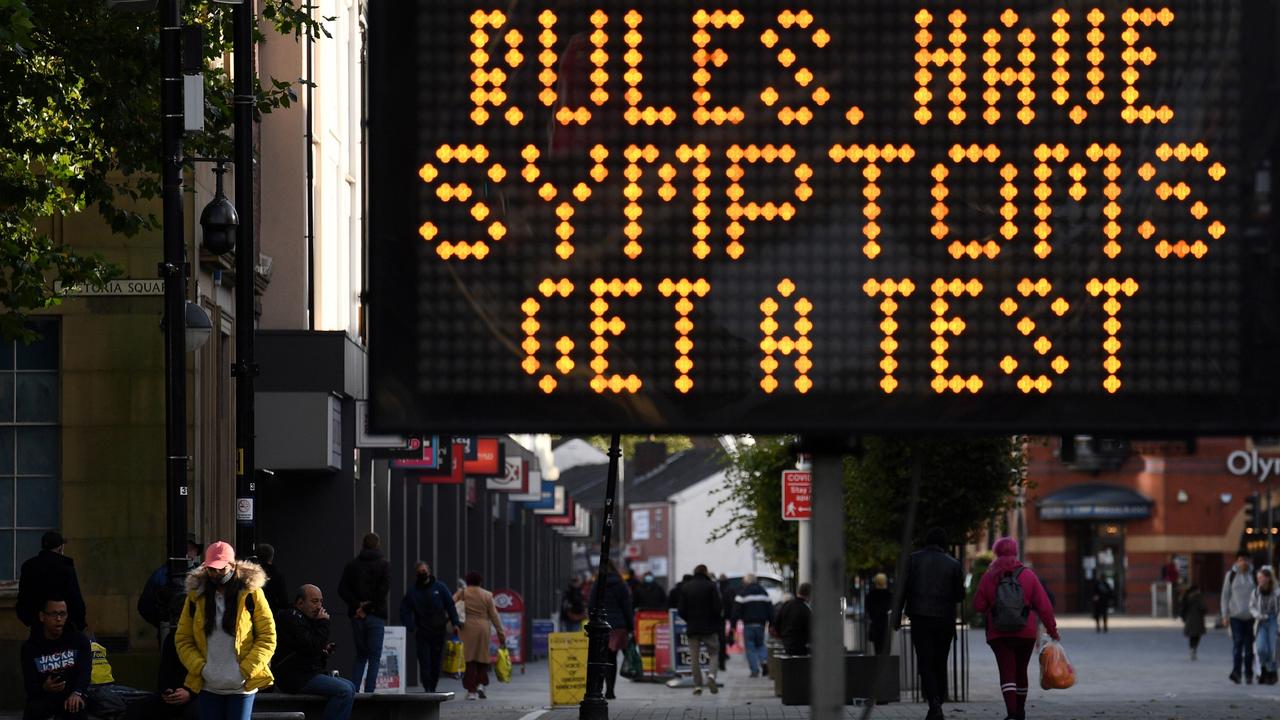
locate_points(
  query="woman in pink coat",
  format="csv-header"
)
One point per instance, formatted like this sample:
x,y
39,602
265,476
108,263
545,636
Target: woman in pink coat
x,y
1013,649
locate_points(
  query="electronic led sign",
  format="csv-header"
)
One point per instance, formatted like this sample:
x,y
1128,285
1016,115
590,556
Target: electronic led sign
x,y
821,216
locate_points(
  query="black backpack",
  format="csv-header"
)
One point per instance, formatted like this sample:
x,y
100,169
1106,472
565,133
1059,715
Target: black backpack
x,y
1009,612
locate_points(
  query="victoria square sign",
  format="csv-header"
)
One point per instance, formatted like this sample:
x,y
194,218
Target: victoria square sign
x,y
821,215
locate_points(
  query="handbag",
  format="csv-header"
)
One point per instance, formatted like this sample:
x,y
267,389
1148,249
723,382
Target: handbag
x,y
503,667
632,664
453,660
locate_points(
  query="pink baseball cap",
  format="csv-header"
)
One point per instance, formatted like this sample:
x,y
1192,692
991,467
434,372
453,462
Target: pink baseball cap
x,y
219,555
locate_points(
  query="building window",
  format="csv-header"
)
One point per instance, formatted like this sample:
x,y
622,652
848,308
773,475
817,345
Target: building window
x,y
29,440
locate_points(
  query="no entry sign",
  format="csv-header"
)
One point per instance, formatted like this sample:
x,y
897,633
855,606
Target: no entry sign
x,y
797,494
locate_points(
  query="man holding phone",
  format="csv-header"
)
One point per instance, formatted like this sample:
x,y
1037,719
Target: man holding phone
x,y
56,665
304,649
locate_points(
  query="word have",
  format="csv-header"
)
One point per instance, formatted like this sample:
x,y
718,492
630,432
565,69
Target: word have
x,y
954,51
796,343
1054,166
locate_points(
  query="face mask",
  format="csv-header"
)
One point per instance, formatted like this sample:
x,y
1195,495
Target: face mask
x,y
226,576
423,577
648,578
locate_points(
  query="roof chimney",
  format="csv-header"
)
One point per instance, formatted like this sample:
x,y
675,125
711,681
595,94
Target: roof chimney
x,y
648,456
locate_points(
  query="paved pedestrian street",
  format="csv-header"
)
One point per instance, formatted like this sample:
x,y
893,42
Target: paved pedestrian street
x,y
1140,669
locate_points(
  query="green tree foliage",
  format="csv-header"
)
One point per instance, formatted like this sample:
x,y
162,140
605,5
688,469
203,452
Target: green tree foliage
x,y
80,129
963,484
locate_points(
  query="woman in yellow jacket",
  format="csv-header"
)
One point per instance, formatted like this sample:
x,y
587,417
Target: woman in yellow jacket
x,y
226,635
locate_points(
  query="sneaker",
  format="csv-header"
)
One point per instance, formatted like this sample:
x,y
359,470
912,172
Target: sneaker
x,y
755,674
713,687
610,696
1234,677
480,692
472,696
697,691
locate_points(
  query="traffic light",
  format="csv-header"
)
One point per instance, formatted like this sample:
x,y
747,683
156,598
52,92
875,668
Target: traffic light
x,y
1252,514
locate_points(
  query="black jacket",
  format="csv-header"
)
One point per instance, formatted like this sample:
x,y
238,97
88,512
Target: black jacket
x,y
650,595
172,674
700,606
752,605
366,579
571,603
792,625
879,600
276,589
673,597
68,656
300,649
46,575
615,599
935,584
727,597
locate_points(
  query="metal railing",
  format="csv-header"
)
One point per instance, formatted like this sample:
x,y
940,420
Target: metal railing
x,y
957,661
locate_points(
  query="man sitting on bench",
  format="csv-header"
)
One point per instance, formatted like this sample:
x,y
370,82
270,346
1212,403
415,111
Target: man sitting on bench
x,y
303,651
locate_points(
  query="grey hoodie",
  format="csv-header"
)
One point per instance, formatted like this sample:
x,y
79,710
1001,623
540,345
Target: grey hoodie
x,y
1237,589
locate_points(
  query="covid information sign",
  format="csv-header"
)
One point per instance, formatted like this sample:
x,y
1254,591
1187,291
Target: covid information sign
x,y
811,215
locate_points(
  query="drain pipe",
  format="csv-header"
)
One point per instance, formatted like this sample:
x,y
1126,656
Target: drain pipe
x,y
311,190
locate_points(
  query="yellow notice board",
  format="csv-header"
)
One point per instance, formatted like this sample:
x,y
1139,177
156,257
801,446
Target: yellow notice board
x,y
568,664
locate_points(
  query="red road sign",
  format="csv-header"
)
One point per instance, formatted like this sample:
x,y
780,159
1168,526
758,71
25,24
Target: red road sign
x,y
797,495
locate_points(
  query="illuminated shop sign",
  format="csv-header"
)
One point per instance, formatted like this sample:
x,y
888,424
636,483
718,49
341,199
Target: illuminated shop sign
x,y
826,215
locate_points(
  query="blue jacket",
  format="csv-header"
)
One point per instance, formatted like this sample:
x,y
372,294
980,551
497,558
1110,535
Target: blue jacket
x,y
425,603
752,606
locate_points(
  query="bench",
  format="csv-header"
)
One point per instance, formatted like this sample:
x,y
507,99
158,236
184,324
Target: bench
x,y
368,706
793,678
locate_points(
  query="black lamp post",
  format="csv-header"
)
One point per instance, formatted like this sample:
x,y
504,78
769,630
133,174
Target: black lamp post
x,y
599,663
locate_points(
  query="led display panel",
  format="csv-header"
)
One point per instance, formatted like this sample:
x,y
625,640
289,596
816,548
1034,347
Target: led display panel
x,y
821,216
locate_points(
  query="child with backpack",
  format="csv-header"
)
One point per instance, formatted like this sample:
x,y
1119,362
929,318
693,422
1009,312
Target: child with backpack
x,y
1014,602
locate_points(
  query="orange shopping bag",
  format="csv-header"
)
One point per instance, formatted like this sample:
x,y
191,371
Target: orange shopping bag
x,y
1056,672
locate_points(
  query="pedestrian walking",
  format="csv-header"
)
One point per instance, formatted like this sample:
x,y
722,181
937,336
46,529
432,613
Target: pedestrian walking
x,y
650,595
573,609
50,574
700,607
673,597
753,607
481,614
1237,590
792,622
1101,598
727,595
304,650
1192,610
226,634
1014,603
934,589
366,580
56,664
1264,605
276,589
615,604
427,610
879,605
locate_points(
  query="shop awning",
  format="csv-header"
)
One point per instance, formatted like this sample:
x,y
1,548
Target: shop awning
x,y
1095,501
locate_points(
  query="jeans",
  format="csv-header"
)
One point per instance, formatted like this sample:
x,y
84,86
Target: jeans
x,y
340,691
931,638
225,707
753,645
1242,646
1267,644
368,632
430,656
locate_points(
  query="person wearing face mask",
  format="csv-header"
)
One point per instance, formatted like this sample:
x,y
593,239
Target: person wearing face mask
x,y
427,611
226,634
649,595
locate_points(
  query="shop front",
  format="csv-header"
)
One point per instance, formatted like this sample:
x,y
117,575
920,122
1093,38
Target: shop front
x,y
1095,517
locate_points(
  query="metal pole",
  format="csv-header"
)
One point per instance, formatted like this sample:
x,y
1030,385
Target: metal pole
x,y
594,706
245,369
826,675
174,272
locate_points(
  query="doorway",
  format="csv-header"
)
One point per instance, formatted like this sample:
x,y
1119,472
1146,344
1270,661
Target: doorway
x,y
1100,549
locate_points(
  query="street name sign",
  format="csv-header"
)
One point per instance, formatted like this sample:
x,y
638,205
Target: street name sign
x,y
822,216
797,495
123,287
